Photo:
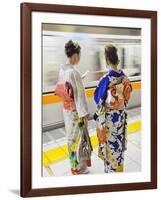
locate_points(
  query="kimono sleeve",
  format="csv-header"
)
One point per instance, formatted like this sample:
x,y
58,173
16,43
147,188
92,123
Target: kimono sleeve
x,y
100,93
79,94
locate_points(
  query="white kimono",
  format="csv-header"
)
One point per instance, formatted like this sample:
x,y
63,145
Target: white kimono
x,y
73,119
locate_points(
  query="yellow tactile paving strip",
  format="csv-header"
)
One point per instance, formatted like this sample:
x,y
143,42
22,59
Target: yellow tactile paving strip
x,y
60,153
51,98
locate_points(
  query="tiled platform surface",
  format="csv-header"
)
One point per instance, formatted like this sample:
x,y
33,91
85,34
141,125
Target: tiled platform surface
x,y
56,138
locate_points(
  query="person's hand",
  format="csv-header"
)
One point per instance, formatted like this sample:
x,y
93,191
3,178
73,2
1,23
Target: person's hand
x,y
85,74
95,116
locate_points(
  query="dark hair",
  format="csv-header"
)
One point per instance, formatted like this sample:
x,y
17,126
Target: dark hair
x,y
111,54
72,48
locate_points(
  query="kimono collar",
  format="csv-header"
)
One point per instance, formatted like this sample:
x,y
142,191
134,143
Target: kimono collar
x,y
68,66
115,73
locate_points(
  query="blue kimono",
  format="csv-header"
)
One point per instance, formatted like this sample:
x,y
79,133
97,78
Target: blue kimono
x,y
110,97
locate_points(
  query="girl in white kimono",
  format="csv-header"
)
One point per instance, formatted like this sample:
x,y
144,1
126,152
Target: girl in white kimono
x,y
79,147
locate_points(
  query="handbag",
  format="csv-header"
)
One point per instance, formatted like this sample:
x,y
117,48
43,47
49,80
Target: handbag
x,y
85,147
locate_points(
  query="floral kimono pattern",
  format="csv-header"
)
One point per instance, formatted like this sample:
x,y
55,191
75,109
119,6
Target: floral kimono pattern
x,y
111,96
79,146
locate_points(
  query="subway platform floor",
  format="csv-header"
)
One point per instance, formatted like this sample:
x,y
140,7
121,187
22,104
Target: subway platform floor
x,y
55,156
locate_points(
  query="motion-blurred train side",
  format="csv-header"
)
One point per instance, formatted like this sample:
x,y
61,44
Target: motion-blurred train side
x,y
128,42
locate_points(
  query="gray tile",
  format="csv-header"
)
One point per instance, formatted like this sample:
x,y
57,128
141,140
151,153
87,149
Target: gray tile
x,y
133,153
134,112
61,168
56,134
91,124
132,167
46,139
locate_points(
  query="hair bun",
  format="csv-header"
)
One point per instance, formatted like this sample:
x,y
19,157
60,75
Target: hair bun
x,y
111,48
71,48
69,44
111,54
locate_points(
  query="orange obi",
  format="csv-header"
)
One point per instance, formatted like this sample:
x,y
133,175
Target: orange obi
x,y
119,94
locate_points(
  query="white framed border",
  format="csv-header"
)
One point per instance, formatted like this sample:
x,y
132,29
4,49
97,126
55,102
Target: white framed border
x,y
52,182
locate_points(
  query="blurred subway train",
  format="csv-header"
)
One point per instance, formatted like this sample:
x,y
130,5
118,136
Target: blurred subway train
x,y
92,41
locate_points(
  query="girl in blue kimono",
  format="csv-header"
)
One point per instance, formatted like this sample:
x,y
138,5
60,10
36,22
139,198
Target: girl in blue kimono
x,y
111,96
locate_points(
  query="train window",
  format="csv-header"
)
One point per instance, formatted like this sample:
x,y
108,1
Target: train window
x,y
92,41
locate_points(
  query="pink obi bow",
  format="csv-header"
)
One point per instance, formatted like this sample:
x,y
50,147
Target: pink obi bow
x,y
65,91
